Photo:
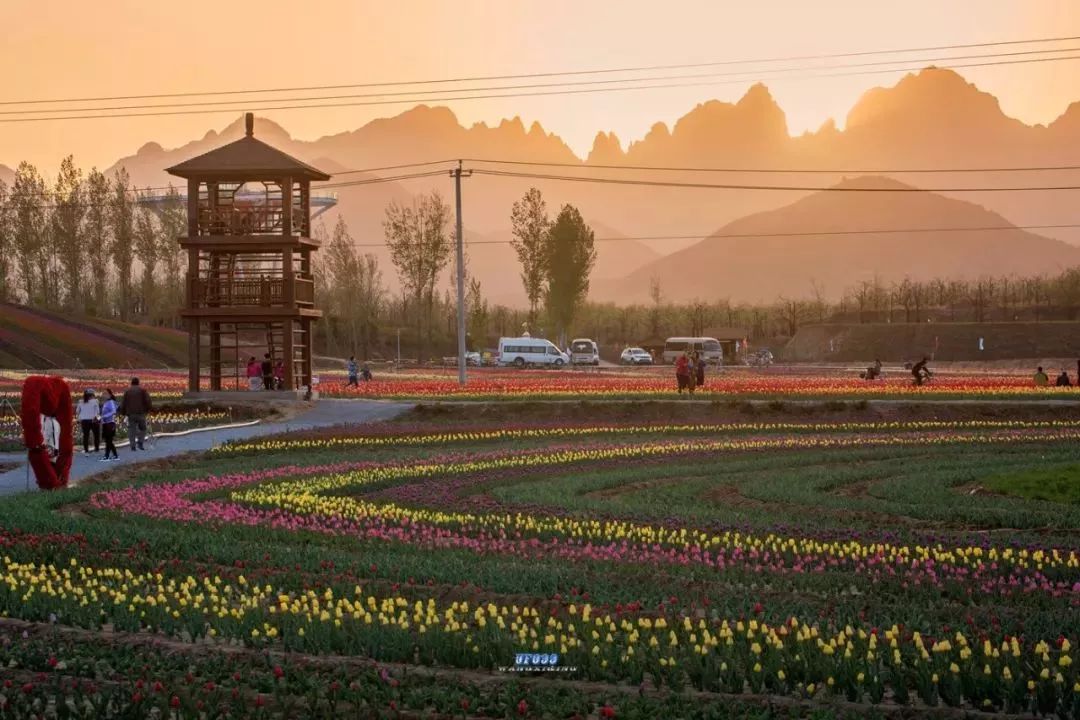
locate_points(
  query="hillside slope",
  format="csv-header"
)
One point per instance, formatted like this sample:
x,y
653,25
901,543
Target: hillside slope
x,y
776,260
37,339
896,342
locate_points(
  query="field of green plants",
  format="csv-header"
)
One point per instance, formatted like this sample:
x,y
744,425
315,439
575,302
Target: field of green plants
x,y
456,568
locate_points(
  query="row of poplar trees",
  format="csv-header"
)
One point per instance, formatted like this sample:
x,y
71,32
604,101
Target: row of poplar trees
x,y
84,243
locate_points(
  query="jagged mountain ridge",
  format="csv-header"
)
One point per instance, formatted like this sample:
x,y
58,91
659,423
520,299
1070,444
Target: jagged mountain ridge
x,y
933,118
768,262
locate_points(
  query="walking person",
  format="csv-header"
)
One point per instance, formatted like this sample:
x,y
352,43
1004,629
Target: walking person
x,y
254,374
699,367
354,372
267,371
134,405
682,372
919,371
108,426
88,413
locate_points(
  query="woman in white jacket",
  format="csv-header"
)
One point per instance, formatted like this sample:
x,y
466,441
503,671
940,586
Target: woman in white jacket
x,y
88,412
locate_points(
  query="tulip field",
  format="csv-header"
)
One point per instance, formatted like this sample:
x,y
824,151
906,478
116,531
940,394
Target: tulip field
x,y
462,569
650,383
489,384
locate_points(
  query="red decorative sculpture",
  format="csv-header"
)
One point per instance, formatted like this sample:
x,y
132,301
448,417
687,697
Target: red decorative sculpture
x,y
47,429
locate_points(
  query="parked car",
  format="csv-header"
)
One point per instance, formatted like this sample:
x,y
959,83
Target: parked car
x,y
584,351
522,351
709,349
635,356
760,358
474,359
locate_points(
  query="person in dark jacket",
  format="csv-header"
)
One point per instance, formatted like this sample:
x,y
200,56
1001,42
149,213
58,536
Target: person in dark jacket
x,y
919,371
1063,379
267,372
699,369
135,405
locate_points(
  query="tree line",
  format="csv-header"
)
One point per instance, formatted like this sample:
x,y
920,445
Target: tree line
x,y
87,243
84,243
557,257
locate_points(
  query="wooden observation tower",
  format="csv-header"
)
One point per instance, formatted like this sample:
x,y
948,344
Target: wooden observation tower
x,y
250,289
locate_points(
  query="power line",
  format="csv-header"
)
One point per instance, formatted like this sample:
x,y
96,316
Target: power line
x,y
376,181
485,78
562,84
815,233
139,191
543,93
789,188
778,171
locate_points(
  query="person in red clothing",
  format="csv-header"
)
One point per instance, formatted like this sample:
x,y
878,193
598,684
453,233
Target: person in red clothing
x,y
279,375
254,374
682,372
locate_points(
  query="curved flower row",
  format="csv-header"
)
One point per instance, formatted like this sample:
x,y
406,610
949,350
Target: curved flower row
x,y
398,435
162,421
793,657
313,498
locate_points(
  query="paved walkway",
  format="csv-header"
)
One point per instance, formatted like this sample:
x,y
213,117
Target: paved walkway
x,y
325,413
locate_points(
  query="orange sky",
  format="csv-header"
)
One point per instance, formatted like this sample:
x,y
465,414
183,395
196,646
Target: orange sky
x,y
72,48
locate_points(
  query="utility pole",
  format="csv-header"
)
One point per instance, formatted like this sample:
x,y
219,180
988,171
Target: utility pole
x,y
456,173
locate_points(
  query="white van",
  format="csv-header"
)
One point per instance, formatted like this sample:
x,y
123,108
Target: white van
x,y
584,351
522,351
708,348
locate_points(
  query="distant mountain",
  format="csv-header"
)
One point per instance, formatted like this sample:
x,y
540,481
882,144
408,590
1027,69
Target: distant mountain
x,y
772,263
933,118
7,175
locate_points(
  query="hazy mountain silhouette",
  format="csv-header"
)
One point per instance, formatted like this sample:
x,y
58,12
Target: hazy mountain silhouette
x,y
930,119
767,266
7,175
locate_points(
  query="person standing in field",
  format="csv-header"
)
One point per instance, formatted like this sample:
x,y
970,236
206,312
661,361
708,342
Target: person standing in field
x,y
365,372
108,426
254,374
354,372
682,372
135,405
919,371
1041,379
88,413
699,367
267,369
279,375
1063,379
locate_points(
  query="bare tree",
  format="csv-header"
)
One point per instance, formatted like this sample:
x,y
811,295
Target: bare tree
x,y
96,236
420,248
173,225
791,314
656,294
122,244
7,245
145,244
530,226
28,229
819,304
66,231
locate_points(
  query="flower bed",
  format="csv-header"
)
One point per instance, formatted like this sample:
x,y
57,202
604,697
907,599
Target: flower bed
x,y
445,552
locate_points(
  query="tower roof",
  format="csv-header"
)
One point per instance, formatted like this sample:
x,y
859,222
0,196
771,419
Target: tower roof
x,y
246,159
